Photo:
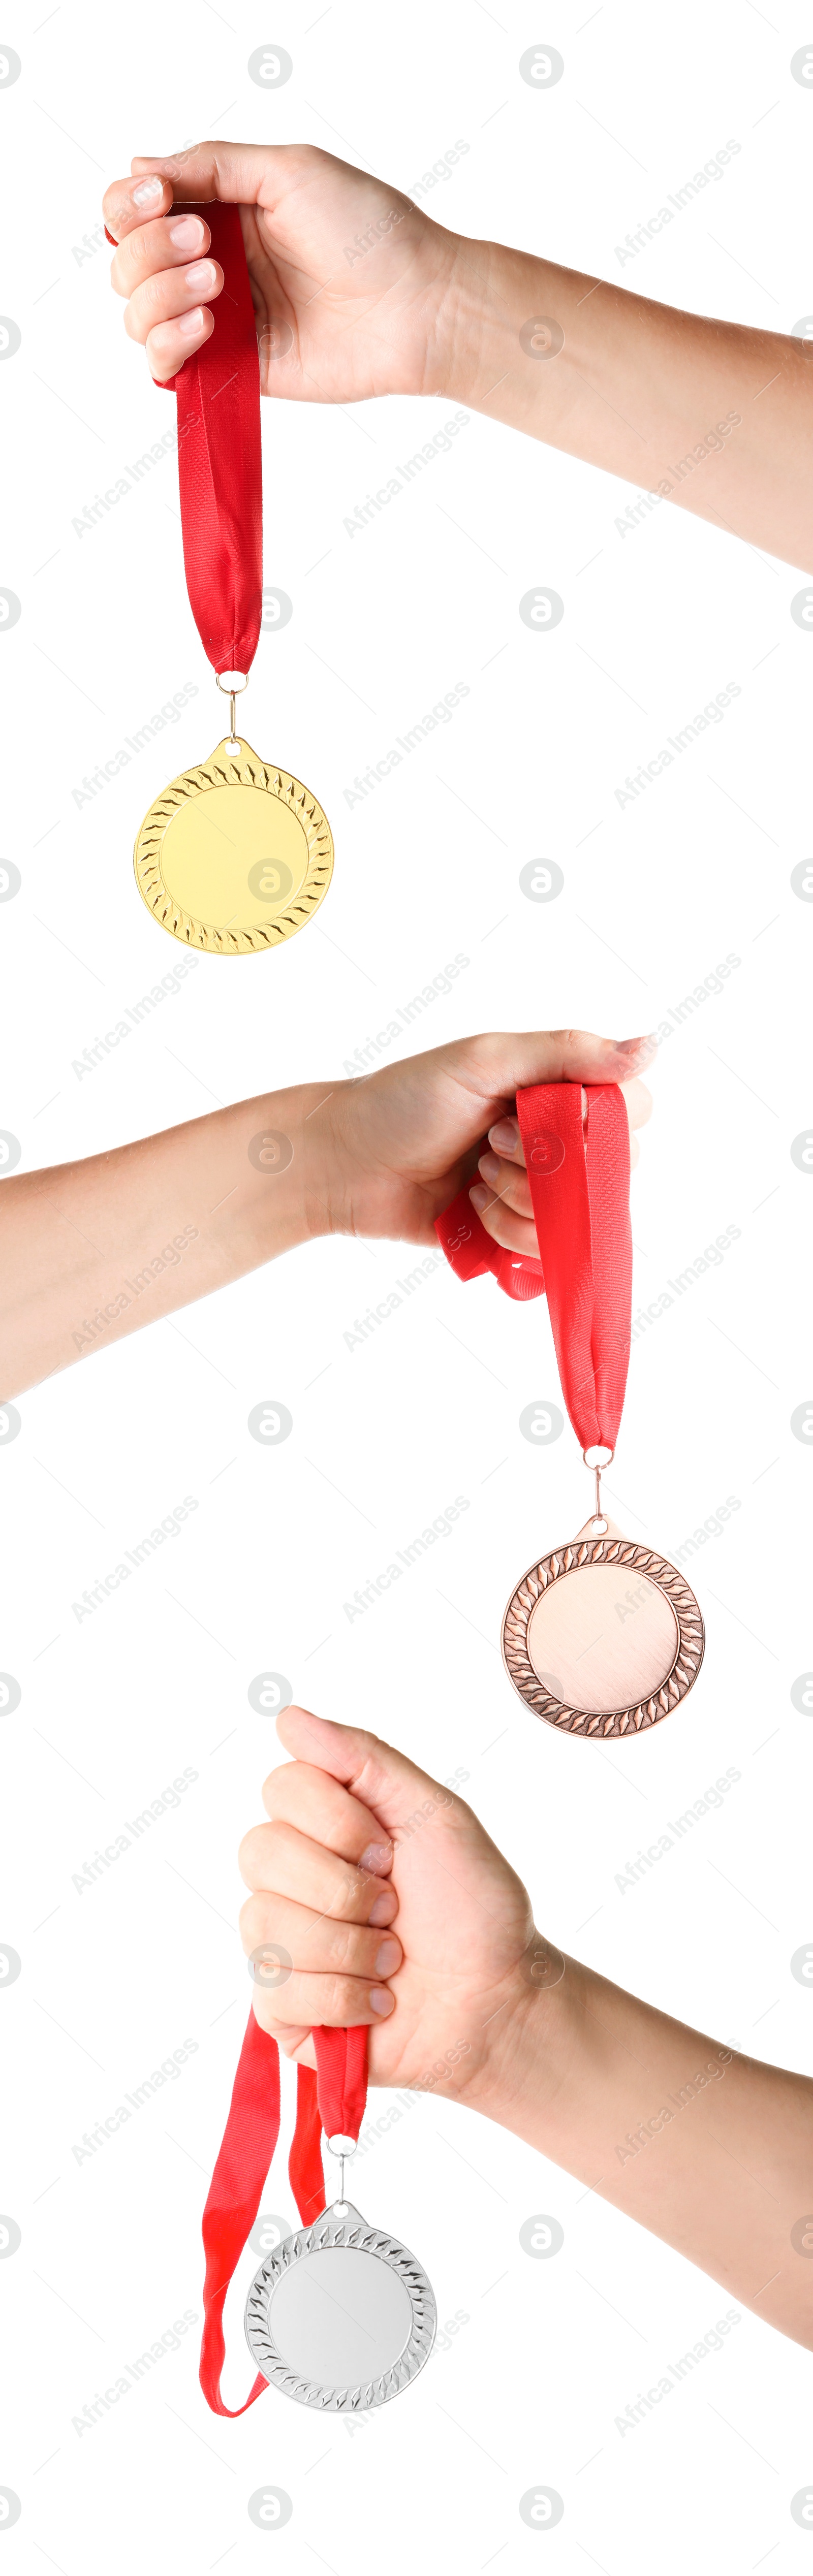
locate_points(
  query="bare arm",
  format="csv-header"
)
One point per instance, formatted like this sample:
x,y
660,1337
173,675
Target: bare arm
x,y
711,2150
91,1250
708,415
431,1942
357,292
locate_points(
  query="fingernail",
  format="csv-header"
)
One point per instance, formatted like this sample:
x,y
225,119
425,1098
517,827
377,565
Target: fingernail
x,y
479,1197
636,1046
383,1909
188,234
388,1956
377,1858
202,277
147,191
189,323
505,1136
489,1168
381,2001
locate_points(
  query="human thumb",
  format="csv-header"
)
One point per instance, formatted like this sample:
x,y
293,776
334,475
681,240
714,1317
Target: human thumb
x,y
376,1773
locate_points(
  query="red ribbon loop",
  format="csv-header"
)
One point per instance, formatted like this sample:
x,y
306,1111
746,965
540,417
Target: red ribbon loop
x,y
333,2099
579,1183
220,460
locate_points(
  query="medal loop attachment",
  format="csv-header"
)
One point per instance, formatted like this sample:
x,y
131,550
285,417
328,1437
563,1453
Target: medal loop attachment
x,y
233,685
343,2147
597,1457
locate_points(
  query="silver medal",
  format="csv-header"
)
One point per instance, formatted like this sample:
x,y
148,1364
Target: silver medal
x,y
341,2317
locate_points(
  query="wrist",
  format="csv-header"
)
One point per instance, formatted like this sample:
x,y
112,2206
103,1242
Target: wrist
x,y
464,310
538,2052
491,292
323,1146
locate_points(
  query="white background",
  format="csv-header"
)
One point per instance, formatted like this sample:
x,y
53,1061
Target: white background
x,y
654,895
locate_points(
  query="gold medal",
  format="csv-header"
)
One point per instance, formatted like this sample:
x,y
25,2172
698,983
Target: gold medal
x,y
602,1637
236,855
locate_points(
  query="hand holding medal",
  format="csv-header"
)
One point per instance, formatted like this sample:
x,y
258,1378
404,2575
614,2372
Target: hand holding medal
x,y
364,1849
341,2317
566,1643
236,854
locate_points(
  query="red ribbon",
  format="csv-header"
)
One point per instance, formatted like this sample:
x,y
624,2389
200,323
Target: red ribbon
x,y
333,2099
220,460
579,1183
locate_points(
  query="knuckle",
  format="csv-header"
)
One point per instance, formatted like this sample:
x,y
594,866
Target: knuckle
x,y
132,326
250,1923
342,1945
249,1852
348,1894
343,1995
117,211
152,293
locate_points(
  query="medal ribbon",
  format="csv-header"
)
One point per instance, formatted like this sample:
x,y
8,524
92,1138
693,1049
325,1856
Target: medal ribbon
x,y
332,2100
220,461
579,1183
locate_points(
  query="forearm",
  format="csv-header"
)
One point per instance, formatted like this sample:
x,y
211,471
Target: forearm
x,y
639,388
710,2150
91,1250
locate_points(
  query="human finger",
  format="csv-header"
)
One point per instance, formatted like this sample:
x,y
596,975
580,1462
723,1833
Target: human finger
x,y
385,1780
278,1859
308,2001
504,1181
299,1939
512,1233
172,295
153,247
171,342
130,202
299,1793
505,1137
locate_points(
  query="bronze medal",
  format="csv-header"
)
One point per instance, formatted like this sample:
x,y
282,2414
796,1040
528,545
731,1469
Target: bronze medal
x,y
602,1636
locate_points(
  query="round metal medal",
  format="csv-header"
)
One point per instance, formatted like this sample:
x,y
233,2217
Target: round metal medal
x,y
235,856
341,2317
602,1636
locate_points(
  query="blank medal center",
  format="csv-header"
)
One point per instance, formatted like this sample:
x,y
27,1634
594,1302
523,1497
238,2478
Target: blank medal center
x,y
234,856
602,1637
340,2316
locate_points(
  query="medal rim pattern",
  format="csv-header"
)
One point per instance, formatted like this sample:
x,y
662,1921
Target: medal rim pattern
x,y
638,1716
187,927
352,2231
